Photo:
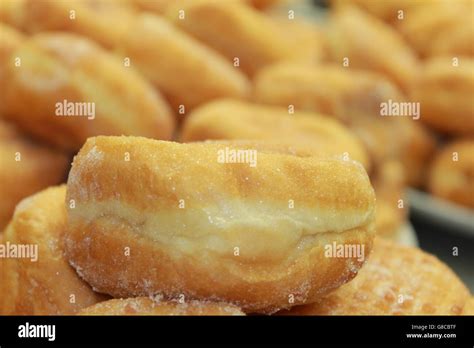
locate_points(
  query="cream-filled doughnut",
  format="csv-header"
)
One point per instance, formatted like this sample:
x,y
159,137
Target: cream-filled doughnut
x,y
37,279
235,120
154,217
148,306
396,280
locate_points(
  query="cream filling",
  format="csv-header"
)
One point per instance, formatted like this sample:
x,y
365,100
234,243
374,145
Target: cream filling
x,y
251,230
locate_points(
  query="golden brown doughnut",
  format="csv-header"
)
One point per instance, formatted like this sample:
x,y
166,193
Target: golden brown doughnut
x,y
147,306
238,32
187,72
439,27
370,44
445,94
396,280
48,285
346,93
234,120
61,72
354,97
26,167
452,173
174,220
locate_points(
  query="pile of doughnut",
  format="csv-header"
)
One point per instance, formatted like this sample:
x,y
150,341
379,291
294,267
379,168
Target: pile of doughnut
x,y
207,157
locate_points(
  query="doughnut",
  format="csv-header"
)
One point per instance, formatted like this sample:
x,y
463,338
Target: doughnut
x,y
183,219
187,72
26,167
439,27
445,93
451,175
354,97
237,31
147,306
78,90
233,120
396,280
469,307
370,44
42,283
345,93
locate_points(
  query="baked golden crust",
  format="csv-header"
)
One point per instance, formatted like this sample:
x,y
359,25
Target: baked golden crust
x,y
445,94
147,306
237,237
59,70
452,173
371,44
185,71
396,280
237,31
49,285
234,120
26,167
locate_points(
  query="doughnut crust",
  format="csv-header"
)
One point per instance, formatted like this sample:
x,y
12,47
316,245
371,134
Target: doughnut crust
x,y
58,68
234,120
26,167
396,280
48,285
452,173
445,94
147,306
210,230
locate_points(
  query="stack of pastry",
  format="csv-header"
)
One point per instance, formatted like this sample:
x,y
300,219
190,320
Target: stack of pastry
x,y
440,36
223,162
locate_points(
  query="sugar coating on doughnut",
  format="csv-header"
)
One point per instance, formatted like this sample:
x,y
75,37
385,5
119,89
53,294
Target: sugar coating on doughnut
x,y
396,280
236,238
234,120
